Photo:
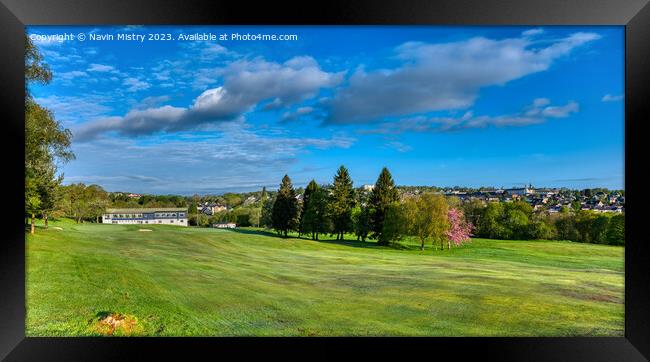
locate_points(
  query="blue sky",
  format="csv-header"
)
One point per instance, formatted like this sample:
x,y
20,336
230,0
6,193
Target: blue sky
x,y
444,106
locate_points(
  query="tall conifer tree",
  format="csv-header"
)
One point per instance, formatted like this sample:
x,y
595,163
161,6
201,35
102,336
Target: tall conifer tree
x,y
311,188
342,203
285,208
383,194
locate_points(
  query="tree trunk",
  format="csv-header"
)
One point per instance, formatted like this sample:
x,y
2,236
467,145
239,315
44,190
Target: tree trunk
x,y
422,245
442,246
448,244
33,224
45,219
342,236
97,219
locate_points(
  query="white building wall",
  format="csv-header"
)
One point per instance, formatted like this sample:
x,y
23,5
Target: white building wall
x,y
177,222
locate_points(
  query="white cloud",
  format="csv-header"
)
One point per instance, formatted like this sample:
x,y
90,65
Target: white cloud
x,y
561,111
399,146
71,75
71,109
538,112
100,68
236,158
245,84
135,84
533,32
299,112
444,76
612,98
540,102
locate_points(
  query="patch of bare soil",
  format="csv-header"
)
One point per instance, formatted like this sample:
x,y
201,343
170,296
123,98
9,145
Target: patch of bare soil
x,y
116,323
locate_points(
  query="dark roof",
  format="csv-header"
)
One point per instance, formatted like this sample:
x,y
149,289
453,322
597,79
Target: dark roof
x,y
145,210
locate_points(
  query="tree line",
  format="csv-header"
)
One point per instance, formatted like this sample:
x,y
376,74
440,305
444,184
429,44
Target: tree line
x,y
383,215
517,220
47,144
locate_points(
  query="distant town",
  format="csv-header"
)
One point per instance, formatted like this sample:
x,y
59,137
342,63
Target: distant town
x,y
551,200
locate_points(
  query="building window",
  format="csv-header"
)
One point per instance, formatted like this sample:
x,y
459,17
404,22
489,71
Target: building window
x,y
171,221
114,222
181,214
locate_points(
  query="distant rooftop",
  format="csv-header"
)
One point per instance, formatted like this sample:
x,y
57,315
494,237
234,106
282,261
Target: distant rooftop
x,y
145,210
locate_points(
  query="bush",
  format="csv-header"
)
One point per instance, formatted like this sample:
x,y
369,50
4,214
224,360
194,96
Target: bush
x,y
541,230
615,234
395,223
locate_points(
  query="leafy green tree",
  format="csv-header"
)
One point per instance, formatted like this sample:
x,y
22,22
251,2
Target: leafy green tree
x,y
396,223
285,209
342,202
429,218
583,223
541,230
361,222
616,230
576,206
36,70
263,196
383,194
599,226
491,223
32,201
82,202
254,216
46,141
96,200
243,220
473,211
316,218
516,224
311,188
49,193
266,219
232,200
192,213
566,227
516,218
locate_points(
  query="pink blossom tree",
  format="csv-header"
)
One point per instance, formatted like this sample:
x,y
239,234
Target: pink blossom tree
x,y
460,229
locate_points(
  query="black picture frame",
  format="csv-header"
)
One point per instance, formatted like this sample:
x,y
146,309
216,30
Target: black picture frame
x,y
633,14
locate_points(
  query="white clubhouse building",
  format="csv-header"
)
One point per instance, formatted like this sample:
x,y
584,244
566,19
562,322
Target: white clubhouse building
x,y
162,215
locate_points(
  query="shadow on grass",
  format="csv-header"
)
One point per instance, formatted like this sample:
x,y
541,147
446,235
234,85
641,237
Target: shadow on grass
x,y
350,242
258,232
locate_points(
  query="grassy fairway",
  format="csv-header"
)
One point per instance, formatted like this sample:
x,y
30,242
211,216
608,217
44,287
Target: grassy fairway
x,y
209,282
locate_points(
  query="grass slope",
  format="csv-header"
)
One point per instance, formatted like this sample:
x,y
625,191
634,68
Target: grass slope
x,y
209,282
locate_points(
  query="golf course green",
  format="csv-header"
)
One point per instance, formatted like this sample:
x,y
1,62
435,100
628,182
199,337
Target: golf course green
x,y
100,279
